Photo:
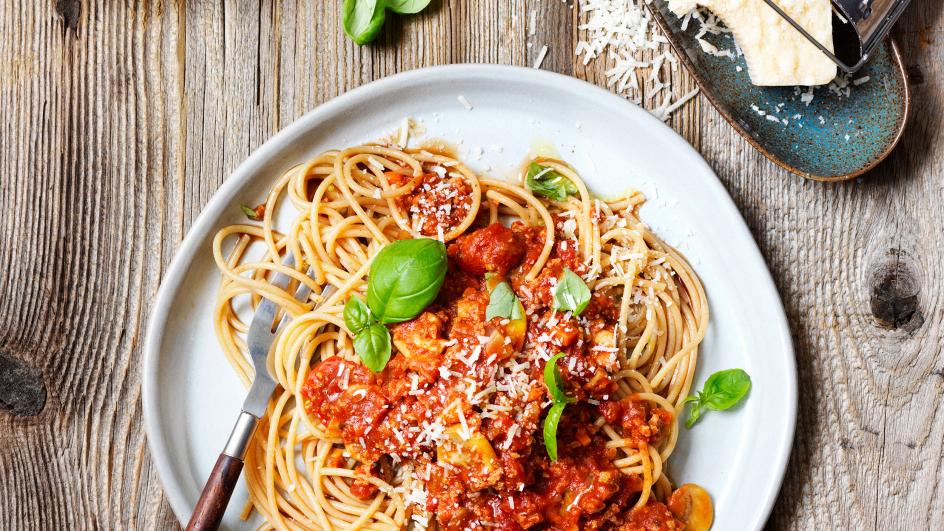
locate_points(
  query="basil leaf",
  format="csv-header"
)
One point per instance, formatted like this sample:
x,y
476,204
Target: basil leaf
x,y
405,277
502,302
546,182
407,7
372,344
250,212
723,389
356,315
690,399
571,293
550,429
362,19
554,382
694,414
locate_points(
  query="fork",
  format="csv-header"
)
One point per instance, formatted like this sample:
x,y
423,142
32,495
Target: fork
x,y
219,486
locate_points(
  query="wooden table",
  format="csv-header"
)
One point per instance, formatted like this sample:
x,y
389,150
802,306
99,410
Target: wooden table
x,y
119,119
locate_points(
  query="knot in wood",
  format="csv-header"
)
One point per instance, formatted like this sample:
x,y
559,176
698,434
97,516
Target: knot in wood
x,y
894,291
70,11
22,389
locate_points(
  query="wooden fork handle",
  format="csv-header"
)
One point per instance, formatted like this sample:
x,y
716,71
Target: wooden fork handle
x,y
219,486
216,494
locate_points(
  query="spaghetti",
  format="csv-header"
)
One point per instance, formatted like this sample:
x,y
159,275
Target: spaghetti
x,y
449,433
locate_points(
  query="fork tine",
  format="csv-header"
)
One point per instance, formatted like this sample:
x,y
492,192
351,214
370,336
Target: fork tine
x,y
302,293
261,324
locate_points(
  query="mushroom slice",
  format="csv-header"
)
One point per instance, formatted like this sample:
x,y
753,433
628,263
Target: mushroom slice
x,y
692,505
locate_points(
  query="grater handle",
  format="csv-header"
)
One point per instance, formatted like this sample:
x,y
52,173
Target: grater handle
x,y
873,18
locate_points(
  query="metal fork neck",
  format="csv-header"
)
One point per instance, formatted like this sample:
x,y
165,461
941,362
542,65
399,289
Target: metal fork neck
x,y
242,433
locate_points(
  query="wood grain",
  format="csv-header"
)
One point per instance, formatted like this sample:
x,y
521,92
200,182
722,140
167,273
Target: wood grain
x,y
119,119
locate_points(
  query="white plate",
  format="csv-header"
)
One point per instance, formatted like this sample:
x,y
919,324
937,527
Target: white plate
x,y
191,397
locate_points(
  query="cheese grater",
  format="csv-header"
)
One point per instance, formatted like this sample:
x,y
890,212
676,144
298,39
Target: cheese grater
x,y
858,26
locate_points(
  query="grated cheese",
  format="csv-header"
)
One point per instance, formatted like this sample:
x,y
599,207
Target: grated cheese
x,y
620,31
404,132
541,55
666,109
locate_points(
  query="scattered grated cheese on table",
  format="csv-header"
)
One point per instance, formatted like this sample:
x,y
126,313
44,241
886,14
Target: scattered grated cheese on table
x,y
541,55
620,32
666,109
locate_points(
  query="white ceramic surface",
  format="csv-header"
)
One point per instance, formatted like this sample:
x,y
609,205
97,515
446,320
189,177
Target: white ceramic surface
x,y
191,397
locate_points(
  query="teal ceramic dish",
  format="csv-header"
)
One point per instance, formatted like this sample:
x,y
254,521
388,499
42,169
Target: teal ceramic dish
x,y
841,133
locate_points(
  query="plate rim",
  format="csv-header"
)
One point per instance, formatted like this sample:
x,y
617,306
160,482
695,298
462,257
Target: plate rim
x,y
185,253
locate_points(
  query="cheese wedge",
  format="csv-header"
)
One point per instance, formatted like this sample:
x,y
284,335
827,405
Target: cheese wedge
x,y
776,53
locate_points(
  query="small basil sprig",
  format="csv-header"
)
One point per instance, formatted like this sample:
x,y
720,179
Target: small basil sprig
x,y
555,384
544,181
362,19
502,302
571,293
721,391
371,339
404,278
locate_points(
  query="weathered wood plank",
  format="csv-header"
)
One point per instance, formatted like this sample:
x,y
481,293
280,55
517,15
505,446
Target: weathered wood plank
x,y
77,271
118,121
859,275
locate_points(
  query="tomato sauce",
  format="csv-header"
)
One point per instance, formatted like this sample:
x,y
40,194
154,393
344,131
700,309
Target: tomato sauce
x,y
462,399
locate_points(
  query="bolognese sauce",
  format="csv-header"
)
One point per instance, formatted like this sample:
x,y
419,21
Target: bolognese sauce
x,y
437,200
461,401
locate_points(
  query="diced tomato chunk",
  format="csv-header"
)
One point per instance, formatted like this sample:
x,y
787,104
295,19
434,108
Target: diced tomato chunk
x,y
492,249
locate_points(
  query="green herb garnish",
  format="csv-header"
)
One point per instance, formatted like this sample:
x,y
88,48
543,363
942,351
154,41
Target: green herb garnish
x,y
405,277
406,7
555,384
502,302
721,391
362,19
356,315
372,344
571,293
544,181
550,429
250,212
